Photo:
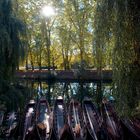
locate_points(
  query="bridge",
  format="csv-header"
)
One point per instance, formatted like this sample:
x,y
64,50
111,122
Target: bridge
x,y
66,75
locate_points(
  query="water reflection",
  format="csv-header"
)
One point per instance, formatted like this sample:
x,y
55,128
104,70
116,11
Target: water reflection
x,y
96,91
70,90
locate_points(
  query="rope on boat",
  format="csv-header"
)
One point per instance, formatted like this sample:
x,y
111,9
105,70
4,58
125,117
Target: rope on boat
x,y
91,123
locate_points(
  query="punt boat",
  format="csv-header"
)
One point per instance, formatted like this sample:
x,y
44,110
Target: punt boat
x,y
111,122
43,124
28,123
60,130
92,120
75,120
131,128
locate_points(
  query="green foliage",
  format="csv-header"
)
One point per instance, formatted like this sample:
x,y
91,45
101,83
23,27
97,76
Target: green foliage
x,y
13,97
115,34
11,33
124,57
12,51
71,37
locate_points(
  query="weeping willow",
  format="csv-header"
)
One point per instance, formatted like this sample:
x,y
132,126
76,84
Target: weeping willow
x,y
125,58
117,27
102,46
12,49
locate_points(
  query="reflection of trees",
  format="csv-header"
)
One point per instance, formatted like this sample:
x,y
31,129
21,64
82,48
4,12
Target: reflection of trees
x,y
82,90
66,92
69,90
99,93
49,94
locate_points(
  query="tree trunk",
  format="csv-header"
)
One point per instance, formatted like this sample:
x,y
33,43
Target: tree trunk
x,y
26,62
40,65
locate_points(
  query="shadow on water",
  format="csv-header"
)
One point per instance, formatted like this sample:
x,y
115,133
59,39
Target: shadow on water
x,y
68,90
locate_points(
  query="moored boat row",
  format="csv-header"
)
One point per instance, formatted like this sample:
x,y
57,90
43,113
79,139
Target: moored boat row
x,y
71,122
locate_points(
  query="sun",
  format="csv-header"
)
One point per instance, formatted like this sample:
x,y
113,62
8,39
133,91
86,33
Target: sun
x,y
48,11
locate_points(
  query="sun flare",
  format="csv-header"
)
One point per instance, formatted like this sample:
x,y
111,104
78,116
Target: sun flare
x,y
48,11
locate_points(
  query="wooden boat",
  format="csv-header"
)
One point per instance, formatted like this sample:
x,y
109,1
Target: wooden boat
x,y
136,123
75,120
92,120
131,129
29,119
43,124
111,122
61,130
10,123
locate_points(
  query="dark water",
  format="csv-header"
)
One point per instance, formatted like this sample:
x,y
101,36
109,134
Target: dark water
x,y
69,90
125,105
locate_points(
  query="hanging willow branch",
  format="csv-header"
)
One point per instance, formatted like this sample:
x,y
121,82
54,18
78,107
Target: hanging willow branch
x,y
116,27
11,40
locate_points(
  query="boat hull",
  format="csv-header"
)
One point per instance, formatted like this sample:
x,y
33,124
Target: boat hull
x,y
43,124
92,120
61,130
28,120
75,120
111,122
130,131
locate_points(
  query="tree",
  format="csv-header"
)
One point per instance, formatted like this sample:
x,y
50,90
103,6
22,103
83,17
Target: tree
x,y
125,69
11,40
77,13
12,52
114,20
